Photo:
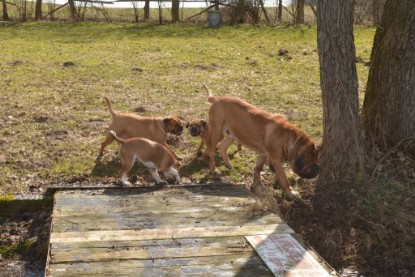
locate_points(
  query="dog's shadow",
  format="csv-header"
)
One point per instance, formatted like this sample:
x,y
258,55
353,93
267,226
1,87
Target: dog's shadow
x,y
111,168
189,168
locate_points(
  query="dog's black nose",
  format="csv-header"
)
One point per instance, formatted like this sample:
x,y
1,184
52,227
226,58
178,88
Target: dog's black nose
x,y
194,130
311,173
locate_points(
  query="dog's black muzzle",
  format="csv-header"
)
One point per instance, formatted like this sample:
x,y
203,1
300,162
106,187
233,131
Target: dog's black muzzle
x,y
178,130
194,131
311,173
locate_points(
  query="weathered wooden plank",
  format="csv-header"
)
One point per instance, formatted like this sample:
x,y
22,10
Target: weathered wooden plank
x,y
139,210
185,242
159,220
241,264
196,249
169,195
285,256
146,234
150,202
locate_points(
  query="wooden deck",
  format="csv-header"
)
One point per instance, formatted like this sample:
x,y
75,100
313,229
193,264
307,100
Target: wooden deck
x,y
174,231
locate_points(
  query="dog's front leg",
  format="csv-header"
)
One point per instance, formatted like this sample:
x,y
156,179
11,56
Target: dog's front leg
x,y
156,176
174,154
258,168
283,181
199,153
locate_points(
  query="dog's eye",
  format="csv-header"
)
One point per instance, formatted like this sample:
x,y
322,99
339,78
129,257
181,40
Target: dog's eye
x,y
300,162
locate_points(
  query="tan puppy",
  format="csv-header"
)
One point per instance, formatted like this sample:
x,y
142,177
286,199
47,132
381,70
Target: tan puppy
x,y
271,136
200,127
128,125
150,153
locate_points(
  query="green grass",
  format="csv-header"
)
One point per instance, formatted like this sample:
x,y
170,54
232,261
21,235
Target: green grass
x,y
139,66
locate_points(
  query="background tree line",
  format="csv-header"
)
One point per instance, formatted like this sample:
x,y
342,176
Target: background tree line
x,y
366,12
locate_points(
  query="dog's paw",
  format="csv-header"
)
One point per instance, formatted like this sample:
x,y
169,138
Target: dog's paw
x,y
125,183
293,195
228,166
161,183
215,172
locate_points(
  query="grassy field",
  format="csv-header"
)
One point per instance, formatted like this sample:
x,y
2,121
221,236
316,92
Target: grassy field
x,y
53,116
53,77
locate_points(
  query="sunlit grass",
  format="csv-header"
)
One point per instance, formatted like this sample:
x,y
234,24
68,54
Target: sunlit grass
x,y
139,66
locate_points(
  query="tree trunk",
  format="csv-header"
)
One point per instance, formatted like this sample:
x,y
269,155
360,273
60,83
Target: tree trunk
x,y
300,12
147,9
5,14
175,8
343,154
38,10
389,104
280,11
240,11
74,15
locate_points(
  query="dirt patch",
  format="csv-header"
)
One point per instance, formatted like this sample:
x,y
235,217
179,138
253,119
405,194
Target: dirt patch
x,y
24,236
365,229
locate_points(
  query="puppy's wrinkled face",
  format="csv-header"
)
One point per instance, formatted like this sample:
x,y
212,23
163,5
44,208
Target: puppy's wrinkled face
x,y
173,124
306,162
196,127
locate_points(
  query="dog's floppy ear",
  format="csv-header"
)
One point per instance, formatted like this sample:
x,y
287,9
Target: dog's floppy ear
x,y
204,123
300,163
166,122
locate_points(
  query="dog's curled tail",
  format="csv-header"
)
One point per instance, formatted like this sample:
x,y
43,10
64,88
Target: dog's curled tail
x,y
210,96
114,135
112,112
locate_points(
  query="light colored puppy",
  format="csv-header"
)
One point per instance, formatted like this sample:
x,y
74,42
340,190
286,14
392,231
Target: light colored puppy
x,y
151,154
128,125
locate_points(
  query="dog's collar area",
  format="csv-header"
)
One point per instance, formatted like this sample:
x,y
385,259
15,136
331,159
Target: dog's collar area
x,y
293,149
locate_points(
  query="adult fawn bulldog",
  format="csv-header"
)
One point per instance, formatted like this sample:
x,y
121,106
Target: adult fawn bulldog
x,y
128,125
151,154
271,136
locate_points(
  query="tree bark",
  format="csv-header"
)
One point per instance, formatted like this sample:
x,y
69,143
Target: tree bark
x,y
74,14
175,8
5,14
280,11
300,12
389,103
38,10
240,11
147,9
343,154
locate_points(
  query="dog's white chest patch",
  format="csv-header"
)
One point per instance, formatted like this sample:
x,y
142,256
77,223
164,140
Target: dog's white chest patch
x,y
147,164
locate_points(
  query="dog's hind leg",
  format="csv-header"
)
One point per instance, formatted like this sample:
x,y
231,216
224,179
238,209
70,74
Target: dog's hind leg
x,y
108,140
127,164
223,148
216,123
